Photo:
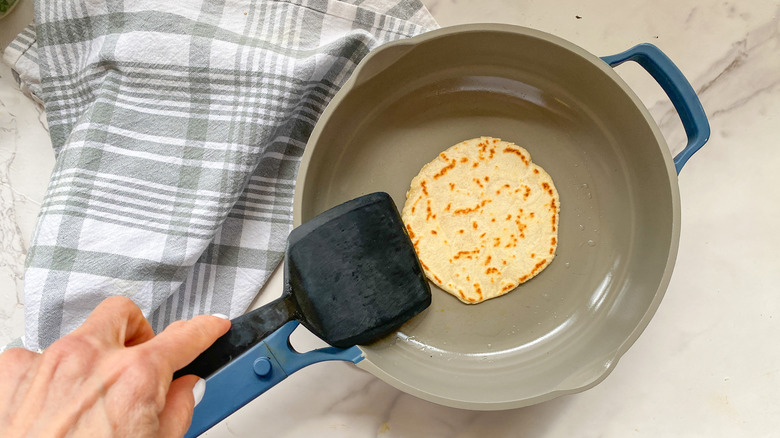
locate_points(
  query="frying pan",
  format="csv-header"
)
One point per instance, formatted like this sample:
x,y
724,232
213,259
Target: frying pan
x,y
565,330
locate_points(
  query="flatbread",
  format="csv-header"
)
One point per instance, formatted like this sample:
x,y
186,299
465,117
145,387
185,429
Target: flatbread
x,y
483,218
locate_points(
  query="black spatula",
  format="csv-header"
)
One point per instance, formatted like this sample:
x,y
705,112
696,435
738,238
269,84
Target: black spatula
x,y
351,277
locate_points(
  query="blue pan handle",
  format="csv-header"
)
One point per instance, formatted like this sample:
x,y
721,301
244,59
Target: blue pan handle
x,y
256,371
679,90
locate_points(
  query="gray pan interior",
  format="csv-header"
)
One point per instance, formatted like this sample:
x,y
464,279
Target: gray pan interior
x,y
564,330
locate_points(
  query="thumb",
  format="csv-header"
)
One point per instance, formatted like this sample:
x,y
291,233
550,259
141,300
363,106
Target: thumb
x,y
176,416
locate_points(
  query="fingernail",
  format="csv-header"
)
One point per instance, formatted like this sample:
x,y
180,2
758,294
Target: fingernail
x,y
219,315
198,390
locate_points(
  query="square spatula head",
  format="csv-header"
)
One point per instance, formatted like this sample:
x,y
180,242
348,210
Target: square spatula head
x,y
354,273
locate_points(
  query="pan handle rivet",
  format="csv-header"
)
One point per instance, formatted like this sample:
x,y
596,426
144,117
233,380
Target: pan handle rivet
x,y
262,366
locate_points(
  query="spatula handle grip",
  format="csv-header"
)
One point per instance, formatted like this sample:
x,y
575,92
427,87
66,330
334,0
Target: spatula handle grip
x,y
256,371
245,332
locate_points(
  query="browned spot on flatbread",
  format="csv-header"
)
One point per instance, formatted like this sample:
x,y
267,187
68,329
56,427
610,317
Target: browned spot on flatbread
x,y
452,186
409,229
424,188
474,224
464,160
434,232
414,206
489,271
429,211
478,182
478,289
487,260
521,227
444,170
553,240
538,265
547,187
465,254
482,150
536,171
472,209
518,153
509,286
505,186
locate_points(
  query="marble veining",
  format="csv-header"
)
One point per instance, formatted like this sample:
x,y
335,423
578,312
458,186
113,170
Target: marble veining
x,y
753,59
12,246
26,161
706,365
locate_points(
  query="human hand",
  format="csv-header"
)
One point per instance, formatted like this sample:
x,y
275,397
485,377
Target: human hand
x,y
110,377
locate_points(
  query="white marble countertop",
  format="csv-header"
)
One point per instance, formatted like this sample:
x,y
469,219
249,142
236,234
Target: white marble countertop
x,y
707,365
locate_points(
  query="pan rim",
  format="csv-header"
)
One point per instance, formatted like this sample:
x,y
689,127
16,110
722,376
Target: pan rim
x,y
608,367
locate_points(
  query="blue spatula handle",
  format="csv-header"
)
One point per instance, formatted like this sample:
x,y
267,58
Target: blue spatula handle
x,y
256,371
679,91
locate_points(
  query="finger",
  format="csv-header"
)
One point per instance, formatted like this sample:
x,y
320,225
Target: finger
x,y
16,359
117,321
176,416
16,364
181,342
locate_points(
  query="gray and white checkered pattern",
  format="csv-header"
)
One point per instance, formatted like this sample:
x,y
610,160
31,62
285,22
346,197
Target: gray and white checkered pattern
x,y
178,128
22,56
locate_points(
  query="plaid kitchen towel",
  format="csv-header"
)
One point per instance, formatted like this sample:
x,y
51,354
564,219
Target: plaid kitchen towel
x,y
178,129
22,56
